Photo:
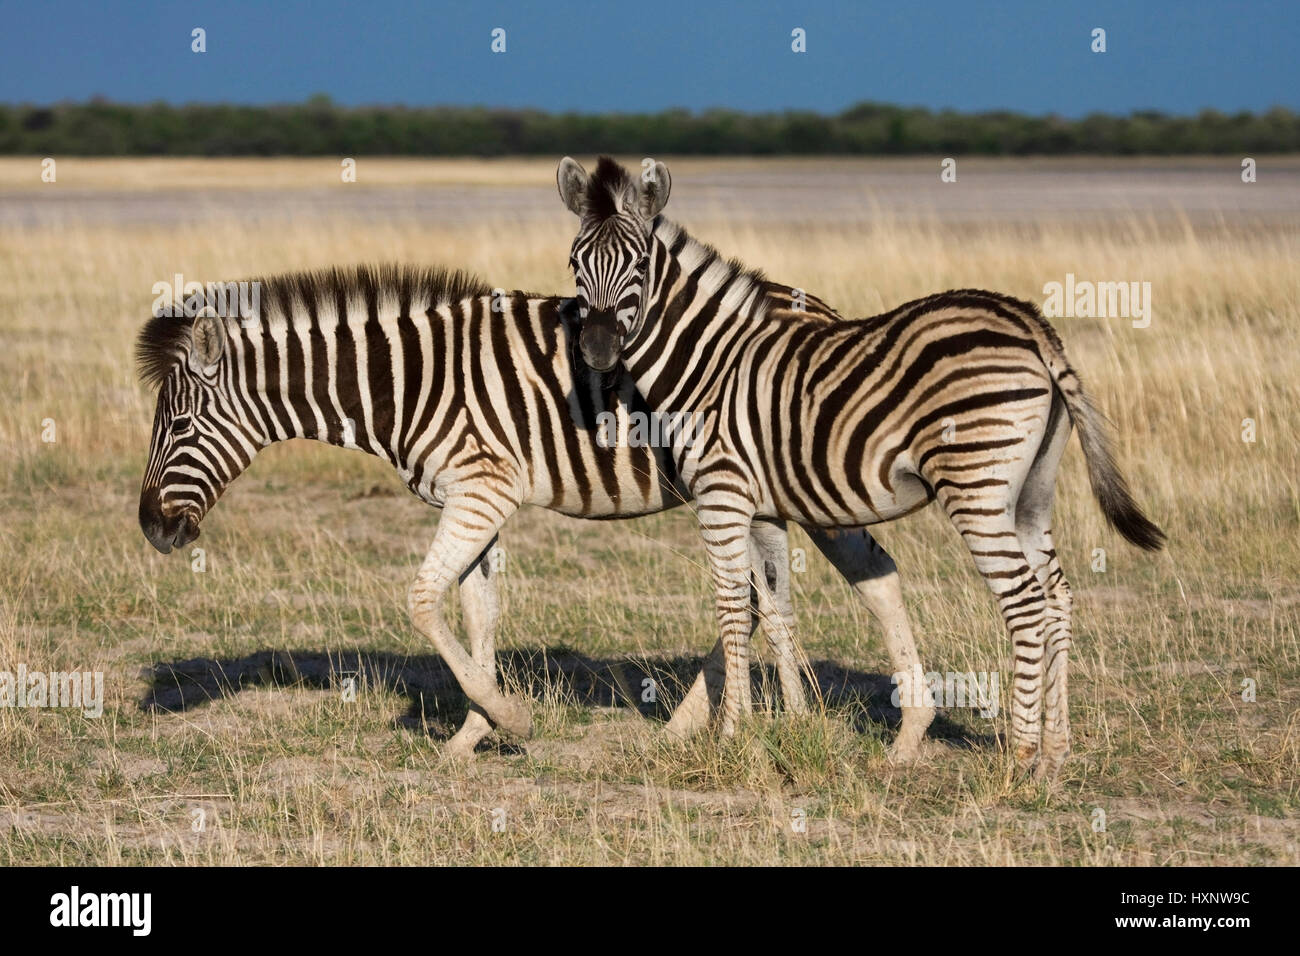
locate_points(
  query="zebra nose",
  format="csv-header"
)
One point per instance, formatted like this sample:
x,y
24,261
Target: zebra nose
x,y
187,530
152,522
162,532
600,342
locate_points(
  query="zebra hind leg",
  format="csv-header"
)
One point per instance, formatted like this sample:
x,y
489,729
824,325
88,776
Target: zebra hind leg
x,y
481,607
1056,704
1033,528
988,528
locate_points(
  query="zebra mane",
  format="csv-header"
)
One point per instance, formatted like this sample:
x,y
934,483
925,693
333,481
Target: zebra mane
x,y
714,270
164,339
162,343
605,188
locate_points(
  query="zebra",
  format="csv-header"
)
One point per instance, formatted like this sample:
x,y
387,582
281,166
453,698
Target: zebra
x,y
479,401
964,397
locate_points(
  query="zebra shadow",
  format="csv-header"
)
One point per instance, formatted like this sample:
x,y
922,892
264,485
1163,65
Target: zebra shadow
x,y
437,705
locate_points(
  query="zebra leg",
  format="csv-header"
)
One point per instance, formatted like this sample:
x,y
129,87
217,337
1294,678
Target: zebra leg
x,y
769,547
467,526
1056,700
989,530
1033,528
873,575
725,519
481,606
774,613
704,696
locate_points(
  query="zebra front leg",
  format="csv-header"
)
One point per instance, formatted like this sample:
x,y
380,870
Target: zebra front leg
x,y
465,530
704,697
873,575
481,606
725,518
774,613
769,543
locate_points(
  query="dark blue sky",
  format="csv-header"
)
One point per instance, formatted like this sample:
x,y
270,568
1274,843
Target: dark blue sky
x,y
1026,55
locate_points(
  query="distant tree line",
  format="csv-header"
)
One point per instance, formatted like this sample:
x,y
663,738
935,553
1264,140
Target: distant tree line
x,y
320,127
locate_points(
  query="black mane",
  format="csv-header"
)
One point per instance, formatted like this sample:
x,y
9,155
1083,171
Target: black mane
x,y
605,188
164,340
162,343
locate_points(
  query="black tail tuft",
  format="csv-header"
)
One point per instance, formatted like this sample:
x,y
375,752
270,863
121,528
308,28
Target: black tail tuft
x,y
1127,518
1108,483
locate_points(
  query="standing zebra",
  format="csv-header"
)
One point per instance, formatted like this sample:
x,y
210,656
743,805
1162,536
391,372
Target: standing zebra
x,y
964,397
476,399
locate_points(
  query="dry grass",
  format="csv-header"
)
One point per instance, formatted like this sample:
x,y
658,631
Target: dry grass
x,y
309,555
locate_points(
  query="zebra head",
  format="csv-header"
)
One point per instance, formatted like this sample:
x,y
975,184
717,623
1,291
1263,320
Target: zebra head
x,y
611,256
198,445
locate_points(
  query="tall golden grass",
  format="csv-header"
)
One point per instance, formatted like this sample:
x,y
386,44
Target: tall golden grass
x,y
309,554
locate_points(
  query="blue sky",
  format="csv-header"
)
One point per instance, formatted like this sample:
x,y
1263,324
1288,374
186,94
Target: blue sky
x,y
1026,55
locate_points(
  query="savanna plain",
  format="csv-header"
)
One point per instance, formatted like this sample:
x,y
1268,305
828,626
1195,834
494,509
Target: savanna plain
x,y
271,704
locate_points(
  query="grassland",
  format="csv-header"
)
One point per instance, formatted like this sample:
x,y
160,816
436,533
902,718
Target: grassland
x,y
224,688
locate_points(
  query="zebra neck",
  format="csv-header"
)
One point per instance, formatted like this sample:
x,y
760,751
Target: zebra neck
x,y
303,376
701,307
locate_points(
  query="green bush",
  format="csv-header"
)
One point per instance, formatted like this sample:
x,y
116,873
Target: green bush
x,y
320,127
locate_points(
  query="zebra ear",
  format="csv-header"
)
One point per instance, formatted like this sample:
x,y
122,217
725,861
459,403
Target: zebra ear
x,y
572,180
655,186
207,342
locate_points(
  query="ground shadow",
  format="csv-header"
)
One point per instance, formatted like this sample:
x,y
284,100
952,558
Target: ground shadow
x,y
437,705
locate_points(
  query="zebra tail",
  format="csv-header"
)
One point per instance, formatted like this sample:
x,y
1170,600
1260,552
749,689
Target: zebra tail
x,y
1096,436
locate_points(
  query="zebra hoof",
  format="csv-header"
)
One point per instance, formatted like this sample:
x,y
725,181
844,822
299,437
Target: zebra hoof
x,y
1049,766
459,750
513,716
461,746
1026,756
900,755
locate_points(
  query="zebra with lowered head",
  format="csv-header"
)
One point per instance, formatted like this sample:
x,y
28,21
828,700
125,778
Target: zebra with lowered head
x,y
478,400
965,397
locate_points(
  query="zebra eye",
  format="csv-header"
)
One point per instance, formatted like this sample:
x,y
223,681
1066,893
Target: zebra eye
x,y
180,424
643,262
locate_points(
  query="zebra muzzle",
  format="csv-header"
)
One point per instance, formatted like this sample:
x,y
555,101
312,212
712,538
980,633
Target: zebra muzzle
x,y
600,341
166,532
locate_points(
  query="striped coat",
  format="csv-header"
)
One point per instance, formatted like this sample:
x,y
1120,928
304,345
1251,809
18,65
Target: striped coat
x,y
965,398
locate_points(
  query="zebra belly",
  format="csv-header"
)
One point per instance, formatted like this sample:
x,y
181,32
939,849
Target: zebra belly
x,y
602,482
905,494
